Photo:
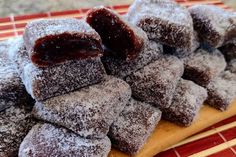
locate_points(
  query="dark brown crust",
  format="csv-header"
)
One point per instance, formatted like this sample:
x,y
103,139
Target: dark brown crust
x,y
116,33
54,41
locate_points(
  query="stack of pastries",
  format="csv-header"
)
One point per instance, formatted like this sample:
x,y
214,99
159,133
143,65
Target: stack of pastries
x,y
73,87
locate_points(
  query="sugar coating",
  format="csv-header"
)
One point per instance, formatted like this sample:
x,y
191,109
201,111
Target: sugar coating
x,y
214,25
121,68
156,82
222,91
44,83
232,66
134,125
15,122
43,27
37,31
229,50
164,21
203,66
181,53
90,111
12,90
186,103
46,140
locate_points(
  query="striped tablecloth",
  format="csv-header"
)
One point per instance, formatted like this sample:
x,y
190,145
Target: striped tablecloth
x,y
218,140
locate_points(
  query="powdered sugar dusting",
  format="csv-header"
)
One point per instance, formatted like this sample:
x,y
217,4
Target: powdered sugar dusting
x,y
229,50
41,28
187,101
163,9
156,82
15,122
202,66
214,25
222,91
164,21
12,90
121,68
89,111
48,140
232,66
44,83
134,125
182,53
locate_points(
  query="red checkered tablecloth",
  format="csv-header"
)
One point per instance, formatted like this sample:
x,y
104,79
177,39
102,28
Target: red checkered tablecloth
x,y
218,140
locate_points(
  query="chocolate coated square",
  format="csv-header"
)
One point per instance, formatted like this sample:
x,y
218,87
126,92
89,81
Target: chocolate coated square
x,y
232,66
121,68
229,50
164,21
202,66
156,82
134,125
12,90
15,123
214,25
186,103
222,91
47,82
46,140
90,111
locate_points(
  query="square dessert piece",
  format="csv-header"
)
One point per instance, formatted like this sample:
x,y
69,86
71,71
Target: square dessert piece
x,y
52,41
44,83
46,140
229,50
164,21
12,90
187,101
134,125
222,91
202,66
214,25
232,66
122,68
182,53
156,82
15,123
125,40
89,111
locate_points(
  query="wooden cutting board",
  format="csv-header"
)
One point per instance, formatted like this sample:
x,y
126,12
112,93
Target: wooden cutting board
x,y
167,134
